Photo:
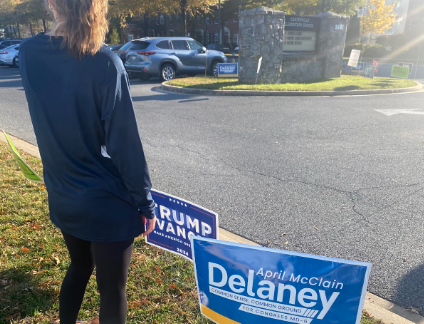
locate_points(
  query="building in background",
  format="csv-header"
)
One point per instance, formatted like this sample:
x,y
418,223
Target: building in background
x,y
415,16
401,10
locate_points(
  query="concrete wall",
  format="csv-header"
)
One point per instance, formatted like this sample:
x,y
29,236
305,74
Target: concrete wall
x,y
261,34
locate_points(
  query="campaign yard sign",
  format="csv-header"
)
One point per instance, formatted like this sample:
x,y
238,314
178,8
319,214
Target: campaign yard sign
x,y
409,65
227,70
246,284
400,71
177,220
369,72
358,67
354,58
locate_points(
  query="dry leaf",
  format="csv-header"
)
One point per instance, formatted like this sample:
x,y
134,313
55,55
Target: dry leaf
x,y
56,259
35,226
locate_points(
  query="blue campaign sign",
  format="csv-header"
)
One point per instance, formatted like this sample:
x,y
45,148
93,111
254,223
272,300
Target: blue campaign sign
x,y
177,220
246,284
227,70
360,67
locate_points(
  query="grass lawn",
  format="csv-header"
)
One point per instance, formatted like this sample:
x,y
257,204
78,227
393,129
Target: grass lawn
x,y
33,261
346,82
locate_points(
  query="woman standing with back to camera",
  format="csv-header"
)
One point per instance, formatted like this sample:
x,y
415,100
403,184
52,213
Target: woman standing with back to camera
x,y
95,170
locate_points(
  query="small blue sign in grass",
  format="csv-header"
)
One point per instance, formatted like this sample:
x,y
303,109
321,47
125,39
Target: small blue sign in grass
x,y
228,70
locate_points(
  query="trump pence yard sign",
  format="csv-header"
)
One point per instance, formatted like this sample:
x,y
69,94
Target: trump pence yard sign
x,y
177,220
247,284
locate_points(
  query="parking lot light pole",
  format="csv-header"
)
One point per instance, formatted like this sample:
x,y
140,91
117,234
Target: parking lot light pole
x,y
219,24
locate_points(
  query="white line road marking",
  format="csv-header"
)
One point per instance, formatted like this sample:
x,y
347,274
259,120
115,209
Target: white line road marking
x,y
391,112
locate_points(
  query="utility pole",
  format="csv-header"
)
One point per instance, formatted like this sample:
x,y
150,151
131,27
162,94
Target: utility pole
x,y
219,24
418,58
323,6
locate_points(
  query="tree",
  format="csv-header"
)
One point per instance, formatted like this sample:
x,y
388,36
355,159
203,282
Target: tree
x,y
379,18
30,11
6,11
312,7
125,8
113,36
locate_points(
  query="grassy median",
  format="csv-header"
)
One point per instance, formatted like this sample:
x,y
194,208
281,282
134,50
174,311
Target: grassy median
x,y
33,262
346,82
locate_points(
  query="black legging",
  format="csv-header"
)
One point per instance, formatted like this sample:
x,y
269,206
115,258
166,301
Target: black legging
x,y
112,261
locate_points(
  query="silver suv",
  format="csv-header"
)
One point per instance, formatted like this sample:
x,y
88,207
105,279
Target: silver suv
x,y
168,57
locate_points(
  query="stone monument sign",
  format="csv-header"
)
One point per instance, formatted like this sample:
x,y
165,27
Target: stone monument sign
x,y
293,48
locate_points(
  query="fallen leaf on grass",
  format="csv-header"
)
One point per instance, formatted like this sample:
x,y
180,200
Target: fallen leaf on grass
x,y
24,250
35,226
56,259
41,188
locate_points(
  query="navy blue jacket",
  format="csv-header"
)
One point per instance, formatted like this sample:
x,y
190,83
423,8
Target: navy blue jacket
x,y
95,170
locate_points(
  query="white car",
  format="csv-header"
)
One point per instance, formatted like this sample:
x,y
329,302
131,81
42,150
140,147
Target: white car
x,y
8,55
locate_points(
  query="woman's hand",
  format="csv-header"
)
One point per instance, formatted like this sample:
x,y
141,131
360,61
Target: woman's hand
x,y
150,227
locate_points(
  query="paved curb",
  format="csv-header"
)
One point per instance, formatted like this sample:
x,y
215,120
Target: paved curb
x,y
166,87
379,308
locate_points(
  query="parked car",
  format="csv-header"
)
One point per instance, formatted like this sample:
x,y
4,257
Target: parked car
x,y
114,48
8,42
8,55
168,57
216,47
17,59
131,47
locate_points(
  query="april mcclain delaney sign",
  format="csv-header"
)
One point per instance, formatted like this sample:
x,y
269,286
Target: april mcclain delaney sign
x,y
300,33
247,284
227,70
177,220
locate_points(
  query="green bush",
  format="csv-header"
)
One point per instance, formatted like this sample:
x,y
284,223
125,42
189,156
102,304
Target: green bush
x,y
350,47
382,40
374,51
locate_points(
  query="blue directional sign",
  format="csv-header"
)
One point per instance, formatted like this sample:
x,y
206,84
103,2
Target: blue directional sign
x,y
177,220
246,284
227,70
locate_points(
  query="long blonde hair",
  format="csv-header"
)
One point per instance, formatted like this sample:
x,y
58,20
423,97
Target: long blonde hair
x,y
82,23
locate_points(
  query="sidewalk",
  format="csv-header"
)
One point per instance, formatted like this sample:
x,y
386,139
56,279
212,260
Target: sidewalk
x,y
379,308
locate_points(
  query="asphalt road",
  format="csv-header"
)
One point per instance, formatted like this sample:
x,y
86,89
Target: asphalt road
x,y
326,175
